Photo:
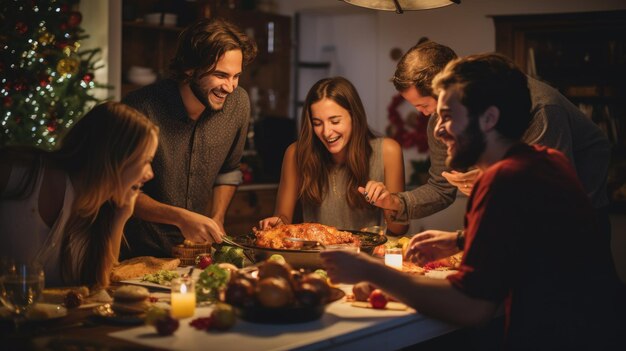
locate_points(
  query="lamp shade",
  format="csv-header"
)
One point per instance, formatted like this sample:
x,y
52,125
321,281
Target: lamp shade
x,y
402,5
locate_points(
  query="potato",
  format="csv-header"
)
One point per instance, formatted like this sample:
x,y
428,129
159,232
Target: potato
x,y
274,292
362,291
275,269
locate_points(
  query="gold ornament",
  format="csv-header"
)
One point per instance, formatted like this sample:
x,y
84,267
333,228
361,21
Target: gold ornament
x,y
71,48
68,66
46,38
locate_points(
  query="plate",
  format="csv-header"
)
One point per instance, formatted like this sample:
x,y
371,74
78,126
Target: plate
x,y
287,315
106,313
39,312
179,270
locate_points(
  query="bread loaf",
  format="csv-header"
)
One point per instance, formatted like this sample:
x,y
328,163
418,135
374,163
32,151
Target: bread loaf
x,y
137,267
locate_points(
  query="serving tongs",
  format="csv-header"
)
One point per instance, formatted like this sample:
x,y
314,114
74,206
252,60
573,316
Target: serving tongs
x,y
246,250
231,242
306,244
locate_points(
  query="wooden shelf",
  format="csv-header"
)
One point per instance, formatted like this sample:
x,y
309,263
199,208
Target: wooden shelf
x,y
584,56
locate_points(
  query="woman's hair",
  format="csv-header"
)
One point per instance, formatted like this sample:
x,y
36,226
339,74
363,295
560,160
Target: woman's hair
x,y
313,159
202,44
486,80
95,153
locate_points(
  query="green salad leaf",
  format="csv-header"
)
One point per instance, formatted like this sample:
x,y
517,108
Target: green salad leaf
x,y
162,277
211,280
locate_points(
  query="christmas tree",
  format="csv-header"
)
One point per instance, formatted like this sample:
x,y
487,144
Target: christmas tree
x,y
45,79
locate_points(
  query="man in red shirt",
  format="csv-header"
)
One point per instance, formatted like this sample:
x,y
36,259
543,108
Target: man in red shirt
x,y
530,228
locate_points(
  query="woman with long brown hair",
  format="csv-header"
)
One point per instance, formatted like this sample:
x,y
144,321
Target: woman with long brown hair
x,y
66,209
336,153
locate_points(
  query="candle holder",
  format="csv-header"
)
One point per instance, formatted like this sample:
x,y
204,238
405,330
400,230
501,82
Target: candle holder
x,y
393,257
183,298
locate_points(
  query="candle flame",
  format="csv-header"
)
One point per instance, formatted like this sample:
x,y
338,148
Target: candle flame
x,y
183,288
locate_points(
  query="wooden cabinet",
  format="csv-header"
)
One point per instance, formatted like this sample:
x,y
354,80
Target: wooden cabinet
x,y
584,56
152,45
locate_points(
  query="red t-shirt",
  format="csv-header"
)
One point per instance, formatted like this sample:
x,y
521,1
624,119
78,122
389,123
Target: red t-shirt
x,y
532,243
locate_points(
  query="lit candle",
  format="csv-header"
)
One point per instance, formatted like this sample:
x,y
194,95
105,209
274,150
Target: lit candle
x,y
393,258
183,298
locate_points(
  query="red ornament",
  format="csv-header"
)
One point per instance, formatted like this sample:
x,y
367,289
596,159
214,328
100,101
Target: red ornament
x,y
63,26
19,86
407,136
21,27
44,80
64,8
7,101
88,77
61,44
74,19
52,126
247,177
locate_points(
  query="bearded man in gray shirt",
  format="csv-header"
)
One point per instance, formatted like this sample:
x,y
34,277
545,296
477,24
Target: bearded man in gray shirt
x,y
203,118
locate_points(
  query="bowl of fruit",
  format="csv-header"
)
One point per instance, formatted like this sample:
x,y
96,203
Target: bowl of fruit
x,y
274,293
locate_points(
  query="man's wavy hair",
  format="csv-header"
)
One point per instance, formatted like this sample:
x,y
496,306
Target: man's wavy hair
x,y
418,66
202,44
486,80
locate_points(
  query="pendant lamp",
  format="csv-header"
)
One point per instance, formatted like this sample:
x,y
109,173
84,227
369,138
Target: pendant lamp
x,y
402,5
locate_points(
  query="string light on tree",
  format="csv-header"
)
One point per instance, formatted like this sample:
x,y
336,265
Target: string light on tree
x,y
46,82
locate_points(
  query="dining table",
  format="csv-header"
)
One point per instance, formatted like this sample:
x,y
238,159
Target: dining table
x,y
343,326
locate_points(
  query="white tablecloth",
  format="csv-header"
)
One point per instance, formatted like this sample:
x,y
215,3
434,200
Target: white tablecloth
x,y
342,327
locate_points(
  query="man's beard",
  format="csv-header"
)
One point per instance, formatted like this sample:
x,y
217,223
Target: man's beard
x,y
202,94
469,146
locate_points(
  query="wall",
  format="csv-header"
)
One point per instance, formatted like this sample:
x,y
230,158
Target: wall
x,y
96,25
466,28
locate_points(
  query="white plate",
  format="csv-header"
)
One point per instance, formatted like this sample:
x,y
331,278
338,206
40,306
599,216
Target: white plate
x,y
439,274
105,313
39,312
179,270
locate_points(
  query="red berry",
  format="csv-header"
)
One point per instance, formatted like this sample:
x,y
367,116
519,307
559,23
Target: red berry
x,y
204,260
166,325
378,299
202,323
73,299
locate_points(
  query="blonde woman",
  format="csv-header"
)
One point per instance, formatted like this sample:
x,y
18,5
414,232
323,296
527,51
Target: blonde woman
x,y
335,154
66,209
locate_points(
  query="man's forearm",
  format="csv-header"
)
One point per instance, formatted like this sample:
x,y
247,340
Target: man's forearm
x,y
151,210
222,195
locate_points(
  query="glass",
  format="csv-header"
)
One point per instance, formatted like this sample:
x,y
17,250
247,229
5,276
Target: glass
x,y
393,257
21,285
183,298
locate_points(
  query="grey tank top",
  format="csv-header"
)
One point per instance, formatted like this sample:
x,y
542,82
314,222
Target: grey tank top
x,y
335,210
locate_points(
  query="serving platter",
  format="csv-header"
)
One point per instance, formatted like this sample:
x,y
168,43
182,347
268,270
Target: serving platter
x,y
305,258
287,315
